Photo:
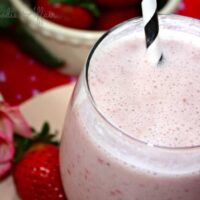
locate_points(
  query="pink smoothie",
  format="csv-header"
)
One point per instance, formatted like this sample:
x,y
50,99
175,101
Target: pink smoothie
x,y
144,106
158,105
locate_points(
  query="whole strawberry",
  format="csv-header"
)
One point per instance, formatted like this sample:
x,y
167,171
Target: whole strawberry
x,y
36,174
78,14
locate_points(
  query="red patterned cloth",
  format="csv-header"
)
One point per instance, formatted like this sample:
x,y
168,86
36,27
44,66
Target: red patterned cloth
x,y
189,8
21,77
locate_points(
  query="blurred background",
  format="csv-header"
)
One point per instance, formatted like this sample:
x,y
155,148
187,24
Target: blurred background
x,y
43,43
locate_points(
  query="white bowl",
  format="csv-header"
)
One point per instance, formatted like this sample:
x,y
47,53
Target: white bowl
x,y
72,45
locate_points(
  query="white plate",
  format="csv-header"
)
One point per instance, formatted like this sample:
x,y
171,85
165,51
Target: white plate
x,y
49,106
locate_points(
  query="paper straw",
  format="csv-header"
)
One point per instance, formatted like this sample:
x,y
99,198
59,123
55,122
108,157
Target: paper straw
x,y
151,26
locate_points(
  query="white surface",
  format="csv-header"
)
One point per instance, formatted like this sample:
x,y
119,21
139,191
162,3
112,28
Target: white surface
x,y
50,106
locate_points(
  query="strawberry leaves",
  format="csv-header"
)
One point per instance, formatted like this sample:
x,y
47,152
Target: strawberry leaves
x,y
87,4
22,144
91,7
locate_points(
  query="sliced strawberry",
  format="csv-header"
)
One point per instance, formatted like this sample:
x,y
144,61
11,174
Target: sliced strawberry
x,y
68,15
110,18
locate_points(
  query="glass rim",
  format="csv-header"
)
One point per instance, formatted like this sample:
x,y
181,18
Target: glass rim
x,y
92,100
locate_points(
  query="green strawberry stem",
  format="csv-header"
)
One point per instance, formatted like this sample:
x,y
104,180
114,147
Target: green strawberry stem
x,y
87,4
22,144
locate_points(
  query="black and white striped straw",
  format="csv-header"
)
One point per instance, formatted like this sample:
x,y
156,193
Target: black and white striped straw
x,y
151,26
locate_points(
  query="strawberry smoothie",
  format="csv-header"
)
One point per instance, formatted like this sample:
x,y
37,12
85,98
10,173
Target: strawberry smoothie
x,y
132,131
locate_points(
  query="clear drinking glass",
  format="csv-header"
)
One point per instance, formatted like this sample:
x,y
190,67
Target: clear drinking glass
x,y
101,162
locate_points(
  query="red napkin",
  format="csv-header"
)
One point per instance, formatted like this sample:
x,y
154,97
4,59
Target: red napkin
x,y
189,8
21,77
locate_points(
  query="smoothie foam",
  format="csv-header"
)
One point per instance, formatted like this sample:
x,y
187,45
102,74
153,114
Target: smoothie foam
x,y
156,104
